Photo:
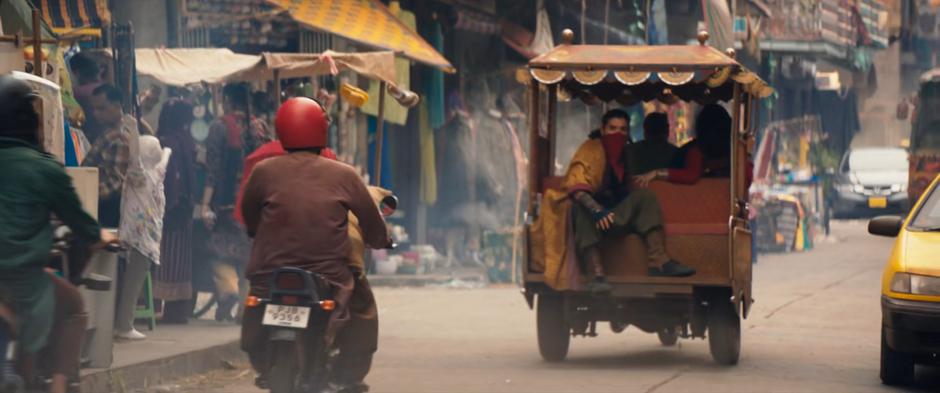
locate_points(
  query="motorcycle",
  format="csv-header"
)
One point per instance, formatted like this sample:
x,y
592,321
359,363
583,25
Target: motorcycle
x,y
296,314
69,261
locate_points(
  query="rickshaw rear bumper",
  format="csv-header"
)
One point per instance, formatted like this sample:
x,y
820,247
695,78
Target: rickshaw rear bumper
x,y
911,326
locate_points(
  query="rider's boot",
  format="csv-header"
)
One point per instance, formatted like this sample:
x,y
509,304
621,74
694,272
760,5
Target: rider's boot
x,y
358,387
599,284
660,263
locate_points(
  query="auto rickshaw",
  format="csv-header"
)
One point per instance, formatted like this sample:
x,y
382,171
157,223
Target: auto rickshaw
x,y
706,223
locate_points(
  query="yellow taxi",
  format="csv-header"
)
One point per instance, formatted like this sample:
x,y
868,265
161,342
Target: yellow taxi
x,y
910,289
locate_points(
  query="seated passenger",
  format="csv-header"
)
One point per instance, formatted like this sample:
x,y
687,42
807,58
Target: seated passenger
x,y
654,151
599,180
708,155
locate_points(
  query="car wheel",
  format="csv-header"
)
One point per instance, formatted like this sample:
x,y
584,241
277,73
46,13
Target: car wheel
x,y
897,368
553,331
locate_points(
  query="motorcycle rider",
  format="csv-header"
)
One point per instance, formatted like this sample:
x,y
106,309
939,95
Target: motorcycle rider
x,y
50,311
296,208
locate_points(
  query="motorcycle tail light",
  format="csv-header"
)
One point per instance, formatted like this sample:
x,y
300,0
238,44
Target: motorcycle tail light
x,y
328,305
252,301
290,281
289,300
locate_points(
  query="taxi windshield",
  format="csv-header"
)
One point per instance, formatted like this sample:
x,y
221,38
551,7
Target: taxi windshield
x,y
927,217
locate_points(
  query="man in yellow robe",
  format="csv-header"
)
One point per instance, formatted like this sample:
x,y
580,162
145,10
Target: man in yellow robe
x,y
598,198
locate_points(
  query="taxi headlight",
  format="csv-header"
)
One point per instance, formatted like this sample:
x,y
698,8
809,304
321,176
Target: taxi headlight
x,y
901,283
915,284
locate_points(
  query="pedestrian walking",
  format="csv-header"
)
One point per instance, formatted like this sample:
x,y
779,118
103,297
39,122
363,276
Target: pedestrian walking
x,y
173,279
231,138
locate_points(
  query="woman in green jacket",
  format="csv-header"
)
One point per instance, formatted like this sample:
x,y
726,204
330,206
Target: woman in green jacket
x,y
50,313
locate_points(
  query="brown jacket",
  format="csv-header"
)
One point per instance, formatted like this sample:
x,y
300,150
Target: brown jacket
x,y
296,207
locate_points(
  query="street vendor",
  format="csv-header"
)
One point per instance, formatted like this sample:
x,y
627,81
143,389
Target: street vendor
x,y
600,198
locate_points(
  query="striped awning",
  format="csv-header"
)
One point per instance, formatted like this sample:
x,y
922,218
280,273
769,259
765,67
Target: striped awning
x,y
75,16
368,22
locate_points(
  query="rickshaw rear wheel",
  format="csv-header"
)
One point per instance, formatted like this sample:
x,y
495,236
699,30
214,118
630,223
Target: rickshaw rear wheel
x,y
554,334
724,332
668,337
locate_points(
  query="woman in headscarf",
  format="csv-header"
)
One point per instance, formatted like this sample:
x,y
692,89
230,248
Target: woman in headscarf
x,y
173,282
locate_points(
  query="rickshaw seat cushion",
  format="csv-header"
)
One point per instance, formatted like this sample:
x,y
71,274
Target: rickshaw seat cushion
x,y
673,229
708,201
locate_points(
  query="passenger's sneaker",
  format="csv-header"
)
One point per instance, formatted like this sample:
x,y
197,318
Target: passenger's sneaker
x,y
672,269
131,335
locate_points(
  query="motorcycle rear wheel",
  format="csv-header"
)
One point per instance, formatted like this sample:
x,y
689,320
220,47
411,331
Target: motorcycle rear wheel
x,y
284,367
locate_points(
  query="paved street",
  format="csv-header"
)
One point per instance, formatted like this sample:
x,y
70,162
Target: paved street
x,y
814,328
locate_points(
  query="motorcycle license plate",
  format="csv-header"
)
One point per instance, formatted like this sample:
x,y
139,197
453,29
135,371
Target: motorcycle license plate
x,y
877,202
286,316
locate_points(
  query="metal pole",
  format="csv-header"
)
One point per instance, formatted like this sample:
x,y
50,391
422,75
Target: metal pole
x,y
534,108
37,44
277,88
379,135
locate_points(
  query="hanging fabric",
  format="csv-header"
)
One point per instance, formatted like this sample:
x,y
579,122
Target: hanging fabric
x,y
428,181
526,43
658,23
395,113
543,41
719,23
435,88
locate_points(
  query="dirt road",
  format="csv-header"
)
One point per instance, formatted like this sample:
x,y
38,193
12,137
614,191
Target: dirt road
x,y
814,328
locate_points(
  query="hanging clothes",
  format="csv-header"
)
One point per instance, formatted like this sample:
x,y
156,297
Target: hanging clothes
x,y
658,28
720,23
840,119
395,113
428,179
526,43
435,88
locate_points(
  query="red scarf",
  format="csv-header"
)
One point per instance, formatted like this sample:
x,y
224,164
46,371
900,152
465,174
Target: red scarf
x,y
234,124
614,145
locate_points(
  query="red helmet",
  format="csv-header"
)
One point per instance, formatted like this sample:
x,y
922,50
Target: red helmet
x,y
301,123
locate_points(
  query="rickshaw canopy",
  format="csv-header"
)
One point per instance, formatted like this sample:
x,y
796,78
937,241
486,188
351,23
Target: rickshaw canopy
x,y
633,73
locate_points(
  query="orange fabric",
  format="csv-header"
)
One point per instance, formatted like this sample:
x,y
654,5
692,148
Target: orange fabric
x,y
552,245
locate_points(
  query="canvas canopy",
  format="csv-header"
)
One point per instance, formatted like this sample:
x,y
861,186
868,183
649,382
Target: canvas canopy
x,y
365,21
186,66
374,65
